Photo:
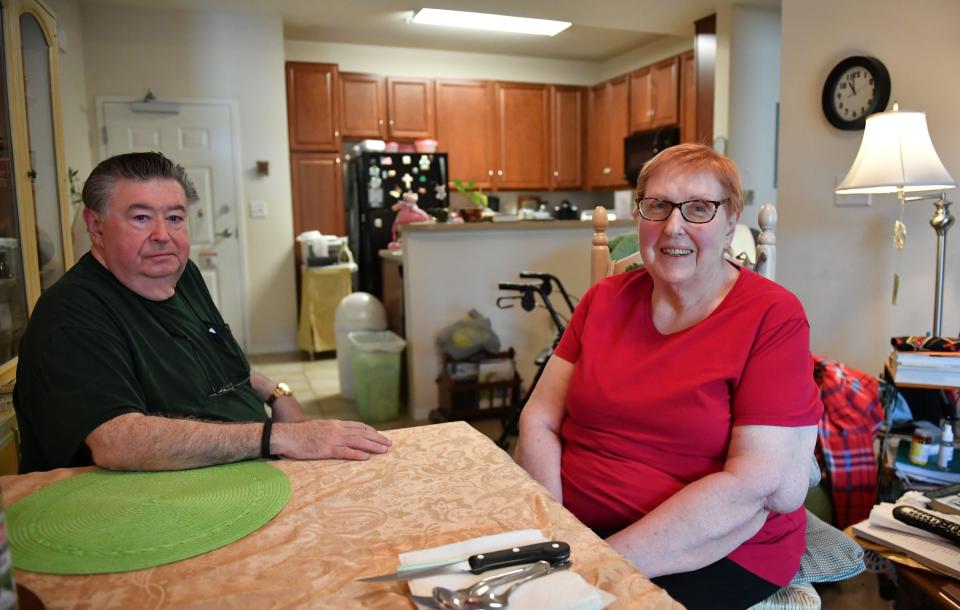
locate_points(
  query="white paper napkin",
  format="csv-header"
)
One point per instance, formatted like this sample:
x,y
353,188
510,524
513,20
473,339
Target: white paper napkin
x,y
563,590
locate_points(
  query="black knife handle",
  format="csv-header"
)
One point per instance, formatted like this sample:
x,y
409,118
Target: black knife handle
x,y
552,551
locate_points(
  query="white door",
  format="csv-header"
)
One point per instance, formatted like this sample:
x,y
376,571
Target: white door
x,y
200,138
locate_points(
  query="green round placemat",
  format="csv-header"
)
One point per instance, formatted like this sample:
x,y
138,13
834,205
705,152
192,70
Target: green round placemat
x,y
104,521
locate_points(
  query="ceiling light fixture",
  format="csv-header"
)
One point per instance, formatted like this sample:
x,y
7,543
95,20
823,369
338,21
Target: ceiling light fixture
x,y
487,21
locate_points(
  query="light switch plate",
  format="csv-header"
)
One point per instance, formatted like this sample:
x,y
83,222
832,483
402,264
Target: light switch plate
x,y
258,208
847,201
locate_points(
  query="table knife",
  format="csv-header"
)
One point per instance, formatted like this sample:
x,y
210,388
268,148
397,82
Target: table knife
x,y
553,552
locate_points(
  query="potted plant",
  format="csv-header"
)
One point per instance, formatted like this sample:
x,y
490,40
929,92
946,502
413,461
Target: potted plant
x,y
475,196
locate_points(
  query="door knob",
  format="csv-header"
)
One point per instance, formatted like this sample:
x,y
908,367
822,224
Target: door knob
x,y
226,234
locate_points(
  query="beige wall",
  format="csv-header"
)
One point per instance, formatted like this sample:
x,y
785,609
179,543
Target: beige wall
x,y
449,64
218,55
840,260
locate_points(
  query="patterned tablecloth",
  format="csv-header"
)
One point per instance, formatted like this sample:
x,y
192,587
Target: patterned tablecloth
x,y
438,484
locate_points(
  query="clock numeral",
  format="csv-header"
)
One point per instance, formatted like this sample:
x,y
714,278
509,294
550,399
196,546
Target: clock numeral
x,y
843,85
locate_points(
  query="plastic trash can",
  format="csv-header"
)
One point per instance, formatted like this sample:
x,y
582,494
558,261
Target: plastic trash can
x,y
376,373
356,311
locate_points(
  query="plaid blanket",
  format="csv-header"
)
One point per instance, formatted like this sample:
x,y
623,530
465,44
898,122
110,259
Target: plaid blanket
x,y
852,413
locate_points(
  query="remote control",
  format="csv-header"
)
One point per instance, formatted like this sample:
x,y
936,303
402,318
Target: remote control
x,y
928,522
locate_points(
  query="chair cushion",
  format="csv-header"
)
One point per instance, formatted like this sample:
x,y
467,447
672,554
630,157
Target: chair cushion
x,y
623,246
830,555
791,597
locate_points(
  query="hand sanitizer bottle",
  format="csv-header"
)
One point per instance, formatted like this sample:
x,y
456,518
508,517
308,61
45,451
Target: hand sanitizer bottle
x,y
945,457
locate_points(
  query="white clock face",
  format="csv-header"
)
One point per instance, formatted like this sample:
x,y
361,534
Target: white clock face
x,y
853,95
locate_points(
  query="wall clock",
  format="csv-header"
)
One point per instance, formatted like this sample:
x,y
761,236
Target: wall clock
x,y
856,88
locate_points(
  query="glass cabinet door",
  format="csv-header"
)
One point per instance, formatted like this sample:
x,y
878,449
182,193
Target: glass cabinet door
x,y
13,287
44,180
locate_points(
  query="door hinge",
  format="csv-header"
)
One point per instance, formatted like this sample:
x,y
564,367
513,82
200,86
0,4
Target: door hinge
x,y
104,129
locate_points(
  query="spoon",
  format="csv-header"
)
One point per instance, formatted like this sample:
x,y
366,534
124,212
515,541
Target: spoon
x,y
463,598
495,601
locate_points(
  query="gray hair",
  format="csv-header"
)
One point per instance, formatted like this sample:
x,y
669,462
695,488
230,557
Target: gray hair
x,y
140,167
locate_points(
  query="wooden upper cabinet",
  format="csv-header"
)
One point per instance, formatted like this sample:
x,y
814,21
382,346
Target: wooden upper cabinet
x,y
608,115
317,183
654,95
665,79
598,102
619,128
688,98
566,141
641,99
363,106
523,132
466,130
411,106
313,106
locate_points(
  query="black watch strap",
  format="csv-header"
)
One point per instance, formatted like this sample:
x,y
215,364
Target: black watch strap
x,y
265,439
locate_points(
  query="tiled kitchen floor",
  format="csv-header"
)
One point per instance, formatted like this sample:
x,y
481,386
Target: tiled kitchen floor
x,y
316,383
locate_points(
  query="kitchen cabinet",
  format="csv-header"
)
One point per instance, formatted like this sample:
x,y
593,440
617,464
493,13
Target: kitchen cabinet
x,y
566,139
523,133
313,107
653,95
363,106
688,98
35,241
317,182
466,130
411,108
608,125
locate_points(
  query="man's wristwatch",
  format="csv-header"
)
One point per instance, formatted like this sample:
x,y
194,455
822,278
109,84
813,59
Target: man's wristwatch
x,y
282,389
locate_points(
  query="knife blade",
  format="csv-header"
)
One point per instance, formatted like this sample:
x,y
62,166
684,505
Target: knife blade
x,y
552,551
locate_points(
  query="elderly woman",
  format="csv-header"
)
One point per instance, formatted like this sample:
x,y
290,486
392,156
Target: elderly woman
x,y
678,414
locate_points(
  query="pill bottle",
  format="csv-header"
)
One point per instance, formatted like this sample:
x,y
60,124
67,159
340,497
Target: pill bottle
x,y
920,446
945,457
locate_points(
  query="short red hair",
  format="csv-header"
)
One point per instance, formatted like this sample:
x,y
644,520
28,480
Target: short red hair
x,y
690,158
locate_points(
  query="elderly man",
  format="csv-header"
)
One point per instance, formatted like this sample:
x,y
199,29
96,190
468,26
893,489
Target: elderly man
x,y
126,362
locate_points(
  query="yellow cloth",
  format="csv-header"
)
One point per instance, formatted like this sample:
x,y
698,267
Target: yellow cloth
x,y
345,520
322,289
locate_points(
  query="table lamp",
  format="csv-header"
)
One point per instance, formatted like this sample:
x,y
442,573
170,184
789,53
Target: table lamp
x,y
897,156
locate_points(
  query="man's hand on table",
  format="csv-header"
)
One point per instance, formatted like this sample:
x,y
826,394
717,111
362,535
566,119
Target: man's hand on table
x,y
320,439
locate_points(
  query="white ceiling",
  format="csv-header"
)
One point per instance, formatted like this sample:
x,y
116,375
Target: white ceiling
x,y
601,28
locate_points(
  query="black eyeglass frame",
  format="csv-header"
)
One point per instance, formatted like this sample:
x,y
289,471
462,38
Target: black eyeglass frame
x,y
679,206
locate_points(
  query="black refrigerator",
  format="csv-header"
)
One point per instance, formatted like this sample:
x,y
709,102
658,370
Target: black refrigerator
x,y
375,182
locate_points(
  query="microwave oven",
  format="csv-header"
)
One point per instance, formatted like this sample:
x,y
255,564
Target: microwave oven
x,y
643,146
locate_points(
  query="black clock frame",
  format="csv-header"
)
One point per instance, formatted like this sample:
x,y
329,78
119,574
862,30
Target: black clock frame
x,y
881,82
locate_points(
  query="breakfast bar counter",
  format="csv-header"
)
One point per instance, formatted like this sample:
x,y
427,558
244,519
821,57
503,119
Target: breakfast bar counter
x,y
449,269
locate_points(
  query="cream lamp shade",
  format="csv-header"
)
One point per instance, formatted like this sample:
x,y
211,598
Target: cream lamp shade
x,y
896,155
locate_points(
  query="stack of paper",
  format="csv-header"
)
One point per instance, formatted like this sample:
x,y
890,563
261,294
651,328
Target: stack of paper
x,y
924,547
939,369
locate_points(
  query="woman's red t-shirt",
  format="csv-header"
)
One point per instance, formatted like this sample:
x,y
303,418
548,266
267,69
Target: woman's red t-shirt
x,y
647,413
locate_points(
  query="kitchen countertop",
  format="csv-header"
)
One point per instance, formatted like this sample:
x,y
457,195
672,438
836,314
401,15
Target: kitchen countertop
x,y
520,225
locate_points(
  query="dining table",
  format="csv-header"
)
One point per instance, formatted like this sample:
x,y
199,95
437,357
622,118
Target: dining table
x,y
437,484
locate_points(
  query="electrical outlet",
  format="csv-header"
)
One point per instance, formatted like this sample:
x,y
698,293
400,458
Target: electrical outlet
x,y
847,201
258,208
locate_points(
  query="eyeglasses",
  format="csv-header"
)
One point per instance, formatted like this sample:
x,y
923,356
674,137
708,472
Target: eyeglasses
x,y
696,211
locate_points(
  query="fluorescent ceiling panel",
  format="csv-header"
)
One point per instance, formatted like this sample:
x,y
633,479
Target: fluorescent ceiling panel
x,y
486,21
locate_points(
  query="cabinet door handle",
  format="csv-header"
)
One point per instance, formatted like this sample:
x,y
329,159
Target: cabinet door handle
x,y
380,121
556,173
650,112
489,172
606,170
336,133
391,122
499,172
338,160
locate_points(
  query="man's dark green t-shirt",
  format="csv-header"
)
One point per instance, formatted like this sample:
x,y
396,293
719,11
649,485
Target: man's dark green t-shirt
x,y
94,350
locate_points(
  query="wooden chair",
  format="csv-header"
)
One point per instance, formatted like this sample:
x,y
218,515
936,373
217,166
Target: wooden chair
x,y
761,257
830,555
